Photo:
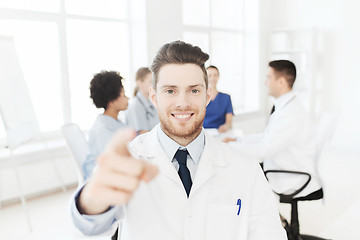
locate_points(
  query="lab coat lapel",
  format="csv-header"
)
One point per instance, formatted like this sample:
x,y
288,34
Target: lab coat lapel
x,y
165,166
210,160
151,150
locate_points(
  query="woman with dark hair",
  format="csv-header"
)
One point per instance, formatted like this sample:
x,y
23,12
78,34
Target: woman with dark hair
x,y
107,92
141,114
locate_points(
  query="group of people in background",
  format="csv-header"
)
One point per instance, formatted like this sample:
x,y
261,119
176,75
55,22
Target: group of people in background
x,y
107,92
184,102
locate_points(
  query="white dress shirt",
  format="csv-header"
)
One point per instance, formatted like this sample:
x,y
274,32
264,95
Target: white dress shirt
x,y
288,143
194,149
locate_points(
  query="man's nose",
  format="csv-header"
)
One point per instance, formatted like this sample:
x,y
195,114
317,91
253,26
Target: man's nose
x,y
182,100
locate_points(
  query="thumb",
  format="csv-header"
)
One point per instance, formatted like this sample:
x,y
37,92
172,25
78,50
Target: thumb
x,y
118,144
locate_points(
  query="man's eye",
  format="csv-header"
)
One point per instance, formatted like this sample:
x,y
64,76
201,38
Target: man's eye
x,y
195,91
169,91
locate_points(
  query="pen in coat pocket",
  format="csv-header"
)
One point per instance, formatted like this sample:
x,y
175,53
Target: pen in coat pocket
x,y
239,203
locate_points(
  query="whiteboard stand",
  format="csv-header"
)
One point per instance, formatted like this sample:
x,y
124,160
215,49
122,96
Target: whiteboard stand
x,y
21,192
20,140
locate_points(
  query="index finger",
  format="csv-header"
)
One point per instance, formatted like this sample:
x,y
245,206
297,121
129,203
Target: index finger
x,y
118,144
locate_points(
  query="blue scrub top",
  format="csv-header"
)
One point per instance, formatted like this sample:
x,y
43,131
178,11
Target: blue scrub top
x,y
217,110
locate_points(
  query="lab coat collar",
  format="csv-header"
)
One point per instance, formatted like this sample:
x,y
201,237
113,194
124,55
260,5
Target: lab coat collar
x,y
283,100
151,148
195,148
147,147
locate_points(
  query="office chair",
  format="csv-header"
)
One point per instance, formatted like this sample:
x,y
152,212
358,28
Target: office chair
x,y
323,133
78,146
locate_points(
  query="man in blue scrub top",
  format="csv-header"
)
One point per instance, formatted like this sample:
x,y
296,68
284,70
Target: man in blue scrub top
x,y
219,112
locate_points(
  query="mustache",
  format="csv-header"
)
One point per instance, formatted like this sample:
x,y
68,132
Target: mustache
x,y
182,109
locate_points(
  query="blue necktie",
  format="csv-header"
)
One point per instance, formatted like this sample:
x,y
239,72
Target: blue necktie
x,y
184,173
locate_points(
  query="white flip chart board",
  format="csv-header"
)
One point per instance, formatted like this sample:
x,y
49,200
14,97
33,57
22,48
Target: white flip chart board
x,y
16,108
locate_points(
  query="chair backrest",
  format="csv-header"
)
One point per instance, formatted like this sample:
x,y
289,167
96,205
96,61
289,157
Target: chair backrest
x,y
77,144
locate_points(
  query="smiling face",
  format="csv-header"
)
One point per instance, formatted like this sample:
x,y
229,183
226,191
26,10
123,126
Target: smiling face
x,y
181,98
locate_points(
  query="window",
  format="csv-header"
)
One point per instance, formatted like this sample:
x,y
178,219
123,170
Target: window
x,y
104,49
34,5
61,44
219,28
37,45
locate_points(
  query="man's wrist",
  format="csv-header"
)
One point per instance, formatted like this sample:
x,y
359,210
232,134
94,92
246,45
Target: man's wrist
x,y
85,209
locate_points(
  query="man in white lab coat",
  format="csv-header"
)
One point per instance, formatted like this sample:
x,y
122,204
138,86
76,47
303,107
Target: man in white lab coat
x,y
177,182
288,142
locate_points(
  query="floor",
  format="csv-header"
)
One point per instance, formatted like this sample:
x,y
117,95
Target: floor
x,y
49,218
337,217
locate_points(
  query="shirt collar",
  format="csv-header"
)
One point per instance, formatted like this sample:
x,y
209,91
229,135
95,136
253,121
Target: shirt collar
x,y
195,148
281,101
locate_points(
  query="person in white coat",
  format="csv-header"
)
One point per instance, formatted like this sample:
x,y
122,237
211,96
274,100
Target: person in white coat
x,y
288,142
141,113
177,182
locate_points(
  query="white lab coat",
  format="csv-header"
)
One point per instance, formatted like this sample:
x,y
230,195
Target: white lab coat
x,y
288,143
161,210
141,114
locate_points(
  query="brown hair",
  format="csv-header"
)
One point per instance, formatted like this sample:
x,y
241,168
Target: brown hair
x,y
212,66
141,73
286,69
179,52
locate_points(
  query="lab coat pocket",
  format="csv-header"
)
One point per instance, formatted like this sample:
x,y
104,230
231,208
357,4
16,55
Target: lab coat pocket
x,y
223,222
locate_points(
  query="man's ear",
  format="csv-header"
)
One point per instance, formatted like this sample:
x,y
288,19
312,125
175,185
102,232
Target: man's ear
x,y
152,96
283,82
208,96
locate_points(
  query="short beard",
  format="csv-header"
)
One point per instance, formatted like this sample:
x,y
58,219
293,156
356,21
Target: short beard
x,y
183,137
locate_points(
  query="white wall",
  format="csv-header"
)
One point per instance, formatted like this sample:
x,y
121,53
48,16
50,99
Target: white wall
x,y
164,24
